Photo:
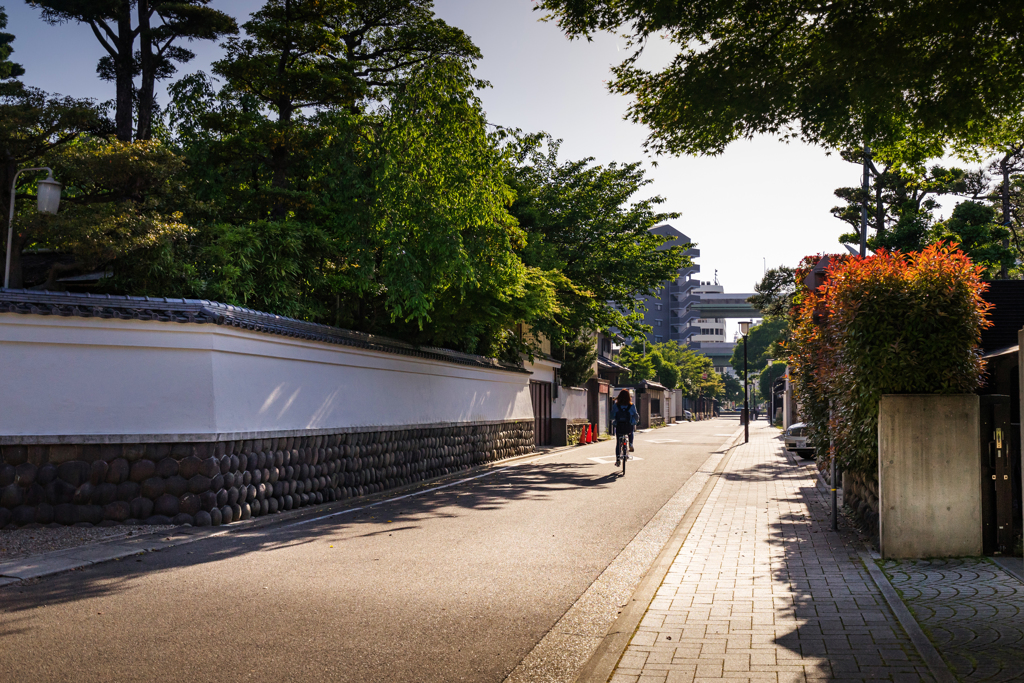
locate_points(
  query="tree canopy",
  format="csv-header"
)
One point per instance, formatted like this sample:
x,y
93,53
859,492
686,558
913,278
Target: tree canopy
x,y
674,366
336,166
837,74
774,293
580,219
761,337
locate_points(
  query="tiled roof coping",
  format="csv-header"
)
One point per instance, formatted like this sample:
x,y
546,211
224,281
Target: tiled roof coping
x,y
200,311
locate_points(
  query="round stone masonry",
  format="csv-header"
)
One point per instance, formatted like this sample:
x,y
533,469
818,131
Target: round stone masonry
x,y
209,484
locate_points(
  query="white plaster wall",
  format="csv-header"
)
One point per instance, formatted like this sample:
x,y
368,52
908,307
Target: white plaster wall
x,y
83,376
571,404
541,369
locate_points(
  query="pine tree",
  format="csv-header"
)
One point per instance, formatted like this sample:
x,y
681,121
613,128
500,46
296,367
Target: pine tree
x,y
158,25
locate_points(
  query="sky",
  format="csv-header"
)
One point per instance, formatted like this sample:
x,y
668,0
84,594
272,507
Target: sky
x,y
761,204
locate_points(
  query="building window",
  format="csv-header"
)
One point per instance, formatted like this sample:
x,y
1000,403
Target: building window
x,y
658,339
657,307
658,322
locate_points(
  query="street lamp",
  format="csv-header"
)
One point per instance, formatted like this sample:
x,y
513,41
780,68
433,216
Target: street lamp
x,y
47,201
744,329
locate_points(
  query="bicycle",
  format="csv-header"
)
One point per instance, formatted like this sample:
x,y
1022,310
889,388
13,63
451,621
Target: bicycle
x,y
623,446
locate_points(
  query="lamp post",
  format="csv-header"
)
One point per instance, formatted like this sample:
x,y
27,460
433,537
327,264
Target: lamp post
x,y
771,393
47,201
744,328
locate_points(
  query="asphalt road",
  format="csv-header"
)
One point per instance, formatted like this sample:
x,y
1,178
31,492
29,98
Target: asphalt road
x,y
457,584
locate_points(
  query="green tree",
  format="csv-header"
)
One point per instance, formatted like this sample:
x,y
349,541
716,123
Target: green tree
x,y
159,26
665,372
336,54
762,337
119,212
697,377
838,74
8,69
775,291
733,387
639,363
345,173
578,355
1003,145
581,219
973,227
901,201
766,380
32,123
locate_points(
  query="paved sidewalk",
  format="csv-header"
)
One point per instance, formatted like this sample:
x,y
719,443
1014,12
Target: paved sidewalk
x,y
972,610
762,590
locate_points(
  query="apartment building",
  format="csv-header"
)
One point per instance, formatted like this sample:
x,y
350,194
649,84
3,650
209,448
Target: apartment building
x,y
673,311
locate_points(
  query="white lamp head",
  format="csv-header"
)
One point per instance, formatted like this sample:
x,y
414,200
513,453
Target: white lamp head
x,y
744,327
48,195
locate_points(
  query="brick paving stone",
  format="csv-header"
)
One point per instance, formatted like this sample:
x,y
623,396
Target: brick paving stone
x,y
763,590
971,610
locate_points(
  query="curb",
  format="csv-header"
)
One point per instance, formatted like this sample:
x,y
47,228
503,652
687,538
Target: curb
x,y
602,662
79,557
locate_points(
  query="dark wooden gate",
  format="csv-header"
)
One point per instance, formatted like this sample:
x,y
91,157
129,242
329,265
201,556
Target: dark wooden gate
x,y
540,393
999,470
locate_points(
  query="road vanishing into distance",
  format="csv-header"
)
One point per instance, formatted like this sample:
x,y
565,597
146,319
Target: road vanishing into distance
x,y
454,584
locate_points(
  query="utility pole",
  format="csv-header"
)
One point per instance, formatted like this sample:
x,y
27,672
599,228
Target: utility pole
x,y
864,204
744,328
832,470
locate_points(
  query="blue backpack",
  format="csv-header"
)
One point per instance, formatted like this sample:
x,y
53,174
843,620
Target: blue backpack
x,y
622,416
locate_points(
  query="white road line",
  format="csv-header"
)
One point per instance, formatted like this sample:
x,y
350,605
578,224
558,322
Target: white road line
x,y
608,459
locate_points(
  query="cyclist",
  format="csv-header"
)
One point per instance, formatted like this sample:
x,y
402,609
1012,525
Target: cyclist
x,y
624,420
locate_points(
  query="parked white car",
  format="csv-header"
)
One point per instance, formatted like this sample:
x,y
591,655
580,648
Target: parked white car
x,y
796,440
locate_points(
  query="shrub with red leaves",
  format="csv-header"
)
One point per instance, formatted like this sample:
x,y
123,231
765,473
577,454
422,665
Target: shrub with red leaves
x,y
890,323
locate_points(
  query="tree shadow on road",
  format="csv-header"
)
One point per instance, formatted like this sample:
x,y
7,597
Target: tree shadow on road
x,y
351,519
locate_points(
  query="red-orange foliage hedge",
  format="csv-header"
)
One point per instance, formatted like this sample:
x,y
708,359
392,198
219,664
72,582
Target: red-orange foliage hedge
x,y
888,324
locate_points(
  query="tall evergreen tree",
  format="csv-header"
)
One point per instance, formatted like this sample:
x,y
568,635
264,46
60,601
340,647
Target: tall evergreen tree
x,y
159,26
8,69
32,123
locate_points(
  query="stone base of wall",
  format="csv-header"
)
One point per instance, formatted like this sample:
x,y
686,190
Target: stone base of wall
x,y
225,481
567,432
860,494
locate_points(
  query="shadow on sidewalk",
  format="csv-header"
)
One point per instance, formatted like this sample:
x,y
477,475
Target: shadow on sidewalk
x,y
404,515
843,627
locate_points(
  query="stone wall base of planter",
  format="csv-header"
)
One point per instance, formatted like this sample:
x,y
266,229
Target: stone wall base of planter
x,y
860,494
567,432
218,482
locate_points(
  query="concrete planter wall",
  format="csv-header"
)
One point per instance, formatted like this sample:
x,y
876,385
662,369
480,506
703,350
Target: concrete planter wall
x,y
115,409
929,476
